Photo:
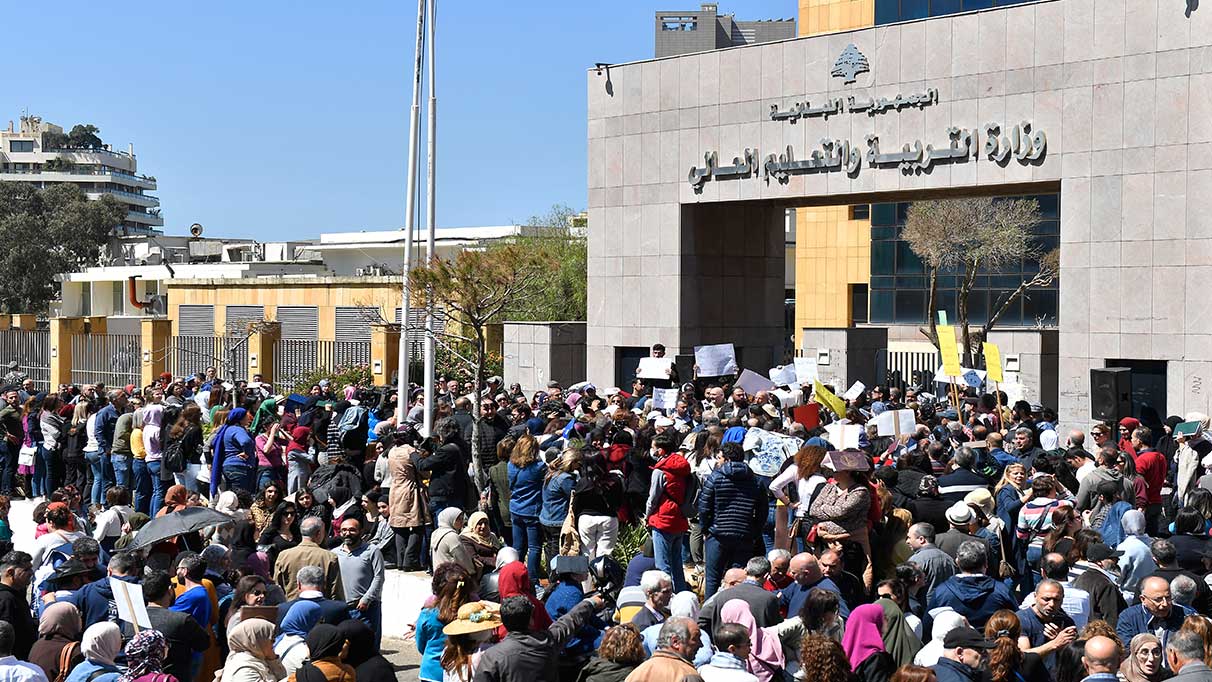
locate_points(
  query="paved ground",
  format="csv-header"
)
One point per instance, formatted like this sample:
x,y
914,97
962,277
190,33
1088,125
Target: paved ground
x,y
403,655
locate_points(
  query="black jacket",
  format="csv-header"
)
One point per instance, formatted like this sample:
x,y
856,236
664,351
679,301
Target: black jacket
x,y
332,611
1106,601
732,503
447,473
602,670
877,667
15,609
185,638
948,670
532,656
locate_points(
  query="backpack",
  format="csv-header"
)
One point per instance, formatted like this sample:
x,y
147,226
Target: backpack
x,y
690,501
354,427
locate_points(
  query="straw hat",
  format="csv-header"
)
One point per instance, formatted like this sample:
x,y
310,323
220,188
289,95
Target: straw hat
x,y
476,616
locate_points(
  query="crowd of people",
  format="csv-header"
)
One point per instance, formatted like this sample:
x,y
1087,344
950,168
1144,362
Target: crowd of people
x,y
583,535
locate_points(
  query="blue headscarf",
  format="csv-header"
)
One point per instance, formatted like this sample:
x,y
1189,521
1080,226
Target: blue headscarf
x,y
234,418
735,434
300,619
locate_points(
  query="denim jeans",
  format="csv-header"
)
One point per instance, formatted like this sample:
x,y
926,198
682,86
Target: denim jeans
x,y
40,484
122,470
239,478
667,549
157,487
720,556
373,616
142,486
96,460
528,540
8,467
297,476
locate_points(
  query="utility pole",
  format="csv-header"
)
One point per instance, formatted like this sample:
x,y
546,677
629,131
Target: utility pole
x,y
414,131
431,135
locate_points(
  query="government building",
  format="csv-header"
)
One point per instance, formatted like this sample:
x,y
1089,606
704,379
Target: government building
x,y
1099,109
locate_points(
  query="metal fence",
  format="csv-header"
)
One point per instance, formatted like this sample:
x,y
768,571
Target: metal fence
x,y
900,367
110,359
31,350
192,354
295,358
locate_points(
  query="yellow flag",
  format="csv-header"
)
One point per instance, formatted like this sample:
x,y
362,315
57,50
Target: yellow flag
x,y
950,350
993,361
823,396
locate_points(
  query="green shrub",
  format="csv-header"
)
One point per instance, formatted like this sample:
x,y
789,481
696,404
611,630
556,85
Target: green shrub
x,y
340,377
631,540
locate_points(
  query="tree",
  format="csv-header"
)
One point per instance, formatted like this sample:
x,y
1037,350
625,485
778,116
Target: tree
x,y
477,288
85,136
971,236
47,232
561,295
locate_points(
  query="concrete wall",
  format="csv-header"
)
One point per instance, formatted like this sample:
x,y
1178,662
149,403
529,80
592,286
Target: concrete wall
x,y
538,352
852,354
1123,91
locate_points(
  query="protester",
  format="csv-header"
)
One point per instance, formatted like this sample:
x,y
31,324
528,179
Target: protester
x,y
1145,661
58,646
101,645
363,654
251,657
620,652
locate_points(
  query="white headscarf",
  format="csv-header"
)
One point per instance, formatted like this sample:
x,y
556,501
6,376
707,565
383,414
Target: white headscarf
x,y
684,604
102,642
944,622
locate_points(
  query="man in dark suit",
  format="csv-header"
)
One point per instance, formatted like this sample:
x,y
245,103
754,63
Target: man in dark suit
x,y
764,605
311,588
658,588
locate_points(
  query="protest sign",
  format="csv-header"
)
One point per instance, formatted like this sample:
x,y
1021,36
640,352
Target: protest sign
x,y
664,398
766,451
753,382
128,597
949,350
789,399
856,389
1187,429
715,361
655,368
993,361
809,415
805,370
844,436
783,375
972,379
966,377
825,397
895,423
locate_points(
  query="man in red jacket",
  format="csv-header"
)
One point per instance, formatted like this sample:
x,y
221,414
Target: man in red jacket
x,y
1151,465
667,494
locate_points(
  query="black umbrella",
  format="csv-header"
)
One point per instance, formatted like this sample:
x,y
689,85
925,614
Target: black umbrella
x,y
172,525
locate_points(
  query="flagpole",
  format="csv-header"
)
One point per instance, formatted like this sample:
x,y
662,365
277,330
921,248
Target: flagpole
x,y
414,131
431,135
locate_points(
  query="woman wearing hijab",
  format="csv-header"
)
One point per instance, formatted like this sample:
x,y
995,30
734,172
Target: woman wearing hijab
x,y
252,657
58,645
1144,660
514,581
864,646
364,656
291,646
101,645
481,541
328,649
300,462
447,548
234,453
766,659
145,658
944,622
899,640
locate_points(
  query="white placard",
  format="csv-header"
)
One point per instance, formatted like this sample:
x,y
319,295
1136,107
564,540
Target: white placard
x,y
805,370
753,382
789,399
783,375
844,436
664,398
128,597
715,361
855,390
655,368
888,420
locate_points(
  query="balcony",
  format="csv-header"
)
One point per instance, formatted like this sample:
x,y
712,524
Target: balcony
x,y
144,219
144,200
79,175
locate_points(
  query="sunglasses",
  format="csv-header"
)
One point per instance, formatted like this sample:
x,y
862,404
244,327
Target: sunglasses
x,y
257,593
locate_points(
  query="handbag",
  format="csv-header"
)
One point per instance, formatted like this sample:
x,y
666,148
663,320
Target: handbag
x,y
1004,569
570,538
25,456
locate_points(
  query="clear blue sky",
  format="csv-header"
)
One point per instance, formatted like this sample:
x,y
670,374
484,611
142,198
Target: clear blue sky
x,y
281,120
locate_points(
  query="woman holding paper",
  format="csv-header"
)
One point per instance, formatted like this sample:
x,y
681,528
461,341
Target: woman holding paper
x,y
843,504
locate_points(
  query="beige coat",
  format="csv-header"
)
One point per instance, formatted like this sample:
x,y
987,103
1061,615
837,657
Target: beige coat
x,y
407,501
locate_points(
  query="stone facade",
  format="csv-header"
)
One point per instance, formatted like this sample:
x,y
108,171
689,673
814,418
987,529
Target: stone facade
x,y
538,352
1122,89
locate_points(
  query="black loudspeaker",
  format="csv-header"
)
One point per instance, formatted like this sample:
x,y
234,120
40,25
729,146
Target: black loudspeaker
x,y
1110,394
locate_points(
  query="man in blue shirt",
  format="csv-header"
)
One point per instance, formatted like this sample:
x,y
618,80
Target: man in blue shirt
x,y
194,600
1045,626
806,574
107,419
1156,613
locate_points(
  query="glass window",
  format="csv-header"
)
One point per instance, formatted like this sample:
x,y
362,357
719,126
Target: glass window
x,y
914,9
883,257
940,7
883,214
860,212
21,145
887,11
881,306
910,306
858,303
906,260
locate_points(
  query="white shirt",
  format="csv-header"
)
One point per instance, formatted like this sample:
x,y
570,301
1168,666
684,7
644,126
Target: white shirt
x,y
1076,603
804,487
12,670
109,522
1084,470
90,428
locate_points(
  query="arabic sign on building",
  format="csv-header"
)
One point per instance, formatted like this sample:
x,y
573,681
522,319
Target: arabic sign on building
x,y
1022,142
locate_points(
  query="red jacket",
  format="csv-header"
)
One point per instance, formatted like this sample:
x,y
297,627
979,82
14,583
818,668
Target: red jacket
x,y
667,515
1151,465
